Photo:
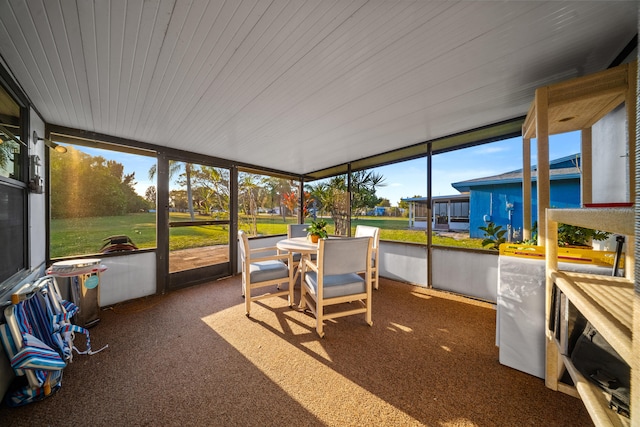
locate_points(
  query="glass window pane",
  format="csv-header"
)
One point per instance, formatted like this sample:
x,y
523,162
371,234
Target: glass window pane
x,y
13,195
12,228
266,204
10,131
383,200
99,193
197,246
198,192
455,175
329,200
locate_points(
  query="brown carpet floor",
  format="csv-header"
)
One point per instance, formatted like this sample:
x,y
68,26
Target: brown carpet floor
x,y
192,358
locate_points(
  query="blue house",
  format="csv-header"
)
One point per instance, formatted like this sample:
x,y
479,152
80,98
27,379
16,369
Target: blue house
x,y
498,198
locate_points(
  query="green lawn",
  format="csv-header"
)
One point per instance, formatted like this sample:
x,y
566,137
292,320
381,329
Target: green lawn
x,y
81,236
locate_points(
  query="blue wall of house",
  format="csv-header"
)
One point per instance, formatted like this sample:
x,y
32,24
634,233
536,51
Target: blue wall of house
x,y
489,203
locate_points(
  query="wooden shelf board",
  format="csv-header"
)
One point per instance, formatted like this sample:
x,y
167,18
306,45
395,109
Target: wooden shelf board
x,y
613,220
594,399
579,103
606,301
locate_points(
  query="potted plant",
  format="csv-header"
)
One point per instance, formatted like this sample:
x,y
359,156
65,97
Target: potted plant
x,y
317,230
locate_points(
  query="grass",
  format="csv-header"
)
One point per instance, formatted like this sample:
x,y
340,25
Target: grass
x,y
82,236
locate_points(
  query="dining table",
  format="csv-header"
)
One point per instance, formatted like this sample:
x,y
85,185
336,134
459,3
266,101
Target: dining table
x,y
301,245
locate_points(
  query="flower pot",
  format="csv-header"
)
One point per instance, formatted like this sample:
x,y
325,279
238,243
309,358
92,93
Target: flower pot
x,y
313,238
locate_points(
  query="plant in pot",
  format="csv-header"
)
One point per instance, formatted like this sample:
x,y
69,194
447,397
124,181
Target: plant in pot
x,y
317,230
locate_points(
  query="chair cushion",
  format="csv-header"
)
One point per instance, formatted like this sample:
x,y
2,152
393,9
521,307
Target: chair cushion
x,y
337,285
268,270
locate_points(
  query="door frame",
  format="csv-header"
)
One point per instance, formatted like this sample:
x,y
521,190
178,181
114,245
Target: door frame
x,y
167,281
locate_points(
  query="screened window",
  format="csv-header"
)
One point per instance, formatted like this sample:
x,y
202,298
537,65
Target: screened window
x,y
198,215
13,189
266,204
380,197
459,211
98,194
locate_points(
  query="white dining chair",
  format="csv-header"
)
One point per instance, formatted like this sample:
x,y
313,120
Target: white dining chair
x,y
264,271
374,233
341,274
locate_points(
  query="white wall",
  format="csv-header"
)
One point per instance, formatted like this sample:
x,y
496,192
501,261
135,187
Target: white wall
x,y
610,158
37,202
128,277
472,273
404,262
468,272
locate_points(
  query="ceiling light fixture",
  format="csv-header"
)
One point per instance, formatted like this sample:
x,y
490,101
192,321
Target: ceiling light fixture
x,y
59,148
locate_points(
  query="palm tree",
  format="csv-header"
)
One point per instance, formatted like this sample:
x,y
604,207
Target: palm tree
x,y
334,197
248,190
175,168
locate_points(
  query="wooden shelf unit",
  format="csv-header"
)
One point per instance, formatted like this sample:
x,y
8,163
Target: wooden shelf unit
x,y
607,302
575,105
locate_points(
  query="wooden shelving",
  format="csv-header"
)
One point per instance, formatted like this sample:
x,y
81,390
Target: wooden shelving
x,y
606,302
613,220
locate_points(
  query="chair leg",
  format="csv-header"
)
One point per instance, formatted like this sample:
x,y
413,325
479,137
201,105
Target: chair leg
x,y
319,328
247,301
319,320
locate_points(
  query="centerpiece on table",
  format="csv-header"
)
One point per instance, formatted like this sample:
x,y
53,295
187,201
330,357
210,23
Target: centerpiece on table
x,y
317,230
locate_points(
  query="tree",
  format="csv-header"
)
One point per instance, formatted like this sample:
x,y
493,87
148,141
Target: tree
x,y
274,189
248,189
211,189
150,195
87,186
175,168
8,148
291,202
385,203
178,200
333,196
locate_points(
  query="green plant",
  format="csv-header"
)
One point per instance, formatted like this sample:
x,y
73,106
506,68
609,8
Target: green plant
x,y
318,228
571,235
493,235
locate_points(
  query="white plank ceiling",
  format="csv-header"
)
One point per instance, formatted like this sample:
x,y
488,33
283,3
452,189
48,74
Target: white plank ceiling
x,y
299,85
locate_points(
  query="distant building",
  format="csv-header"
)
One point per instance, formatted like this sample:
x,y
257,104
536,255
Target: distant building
x,y
450,213
498,198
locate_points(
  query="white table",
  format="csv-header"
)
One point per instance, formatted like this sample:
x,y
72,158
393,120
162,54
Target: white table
x,y
299,245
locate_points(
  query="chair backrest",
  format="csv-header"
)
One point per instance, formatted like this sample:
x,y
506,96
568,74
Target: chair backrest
x,y
244,244
297,230
368,231
344,255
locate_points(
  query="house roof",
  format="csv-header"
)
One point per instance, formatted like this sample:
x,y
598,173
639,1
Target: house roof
x,y
306,85
558,170
453,197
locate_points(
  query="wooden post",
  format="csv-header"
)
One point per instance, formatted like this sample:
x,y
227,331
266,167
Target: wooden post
x,y
586,167
552,360
542,135
526,188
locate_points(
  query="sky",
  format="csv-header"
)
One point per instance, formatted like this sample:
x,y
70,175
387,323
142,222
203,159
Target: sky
x,y
408,179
